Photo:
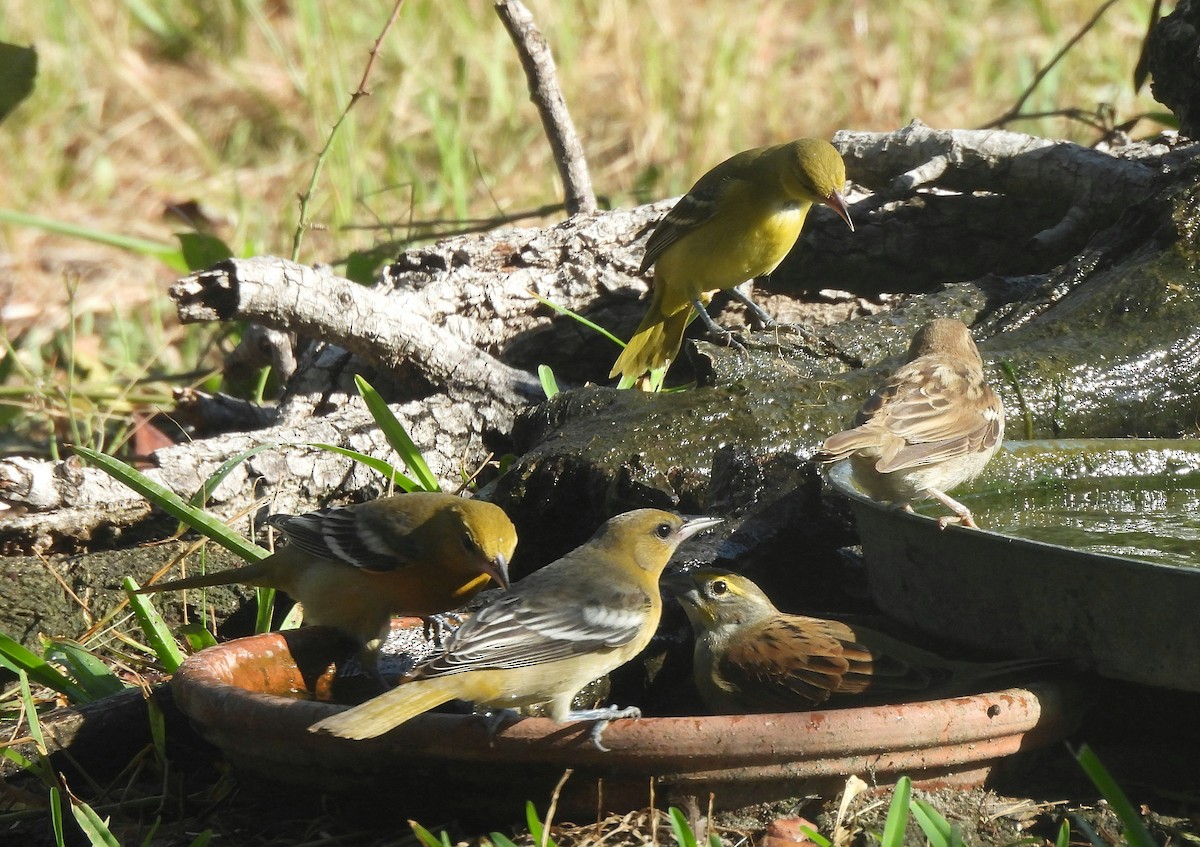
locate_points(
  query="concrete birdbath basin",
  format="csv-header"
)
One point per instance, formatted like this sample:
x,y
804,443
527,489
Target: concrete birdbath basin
x,y
1090,551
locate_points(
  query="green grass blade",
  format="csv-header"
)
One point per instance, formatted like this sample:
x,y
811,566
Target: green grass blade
x,y
397,436
203,839
93,826
18,74
1135,830
92,674
549,383
201,251
174,505
536,829
937,829
293,619
384,469
815,837
158,730
158,634
427,838
265,612
17,759
1089,833
897,816
22,659
56,817
200,498
499,839
31,715
575,316
679,825
40,765
197,637
170,256
1026,415
1063,839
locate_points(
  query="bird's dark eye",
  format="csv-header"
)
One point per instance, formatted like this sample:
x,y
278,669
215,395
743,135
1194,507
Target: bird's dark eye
x,y
664,530
469,543
718,587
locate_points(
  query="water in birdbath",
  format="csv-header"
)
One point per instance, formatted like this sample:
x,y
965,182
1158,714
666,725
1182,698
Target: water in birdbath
x,y
1154,519
1140,500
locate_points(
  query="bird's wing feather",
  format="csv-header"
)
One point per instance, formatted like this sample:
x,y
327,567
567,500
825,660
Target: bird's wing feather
x,y
917,426
798,662
518,631
338,534
693,210
785,665
699,205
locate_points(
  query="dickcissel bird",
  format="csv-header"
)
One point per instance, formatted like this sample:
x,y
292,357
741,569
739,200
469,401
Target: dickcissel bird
x,y
751,657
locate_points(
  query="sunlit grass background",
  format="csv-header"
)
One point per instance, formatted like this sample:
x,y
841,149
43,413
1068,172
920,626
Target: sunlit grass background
x,y
139,105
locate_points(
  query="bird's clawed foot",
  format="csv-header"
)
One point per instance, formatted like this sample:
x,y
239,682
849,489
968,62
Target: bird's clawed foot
x,y
602,717
720,335
495,719
437,628
961,513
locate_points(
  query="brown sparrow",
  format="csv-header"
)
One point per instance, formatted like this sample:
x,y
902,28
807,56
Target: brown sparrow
x,y
932,426
750,657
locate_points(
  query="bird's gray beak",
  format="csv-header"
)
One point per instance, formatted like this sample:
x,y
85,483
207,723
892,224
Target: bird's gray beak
x,y
693,524
497,569
835,202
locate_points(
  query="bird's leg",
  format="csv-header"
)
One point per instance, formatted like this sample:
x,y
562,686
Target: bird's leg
x,y
804,330
717,334
368,660
602,718
756,311
961,512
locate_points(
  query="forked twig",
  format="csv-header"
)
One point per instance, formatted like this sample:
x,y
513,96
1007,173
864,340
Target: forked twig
x,y
359,93
1014,113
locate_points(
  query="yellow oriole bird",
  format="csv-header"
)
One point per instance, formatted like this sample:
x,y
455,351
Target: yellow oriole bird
x,y
750,657
353,567
737,222
931,427
548,636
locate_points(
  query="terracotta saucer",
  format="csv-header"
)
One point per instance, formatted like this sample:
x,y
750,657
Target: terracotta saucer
x,y
256,697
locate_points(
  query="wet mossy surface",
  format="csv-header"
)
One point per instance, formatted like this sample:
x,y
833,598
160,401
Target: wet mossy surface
x,y
1107,345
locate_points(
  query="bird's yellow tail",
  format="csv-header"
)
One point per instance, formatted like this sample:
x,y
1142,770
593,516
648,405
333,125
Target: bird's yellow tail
x,y
390,709
259,573
655,344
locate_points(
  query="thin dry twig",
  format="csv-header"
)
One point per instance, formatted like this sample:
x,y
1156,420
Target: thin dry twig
x,y
538,64
359,93
1014,113
62,583
562,780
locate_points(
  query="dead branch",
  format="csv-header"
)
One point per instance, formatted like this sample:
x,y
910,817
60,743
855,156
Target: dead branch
x,y
538,64
461,314
1096,186
297,298
62,505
